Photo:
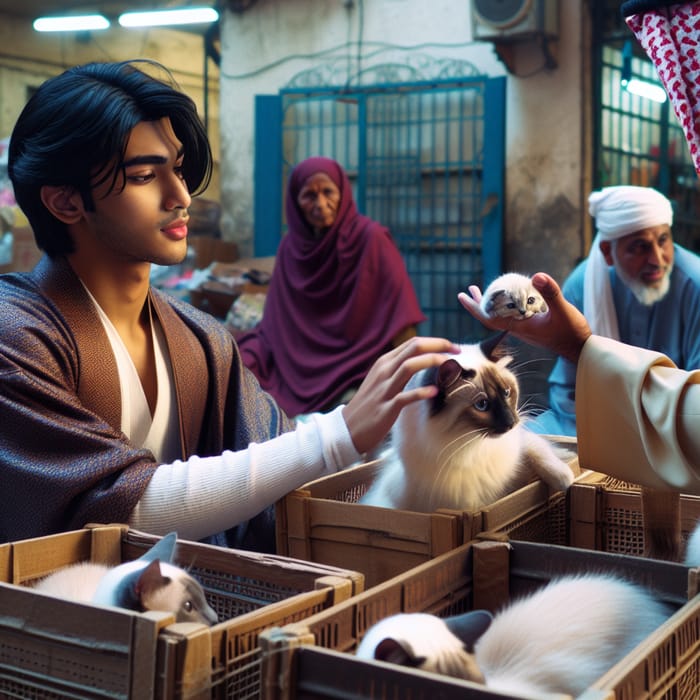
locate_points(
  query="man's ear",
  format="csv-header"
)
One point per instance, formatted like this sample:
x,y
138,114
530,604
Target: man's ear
x,y
64,202
606,250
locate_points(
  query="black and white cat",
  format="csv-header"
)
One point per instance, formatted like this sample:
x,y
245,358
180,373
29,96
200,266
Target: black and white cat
x,y
468,446
560,639
512,295
150,582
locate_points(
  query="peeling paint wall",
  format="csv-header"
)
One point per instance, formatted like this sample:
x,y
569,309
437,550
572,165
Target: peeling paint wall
x,y
268,44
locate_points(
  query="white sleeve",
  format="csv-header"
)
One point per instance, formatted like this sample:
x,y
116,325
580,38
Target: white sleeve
x,y
205,495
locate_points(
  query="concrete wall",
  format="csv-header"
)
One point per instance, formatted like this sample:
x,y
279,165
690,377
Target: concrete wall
x,y
268,44
27,58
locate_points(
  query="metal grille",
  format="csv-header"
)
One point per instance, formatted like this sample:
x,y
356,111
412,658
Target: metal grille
x,y
416,155
640,142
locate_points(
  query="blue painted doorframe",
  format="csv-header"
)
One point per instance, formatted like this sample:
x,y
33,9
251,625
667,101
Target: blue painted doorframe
x,y
426,159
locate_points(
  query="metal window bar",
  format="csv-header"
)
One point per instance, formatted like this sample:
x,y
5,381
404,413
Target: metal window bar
x,y
415,156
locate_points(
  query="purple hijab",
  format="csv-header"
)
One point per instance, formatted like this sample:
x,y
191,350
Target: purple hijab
x,y
334,305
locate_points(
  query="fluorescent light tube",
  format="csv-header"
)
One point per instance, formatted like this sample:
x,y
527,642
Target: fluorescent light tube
x,y
160,18
75,23
645,89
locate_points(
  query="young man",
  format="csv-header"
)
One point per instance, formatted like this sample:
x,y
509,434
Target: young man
x,y
636,286
119,403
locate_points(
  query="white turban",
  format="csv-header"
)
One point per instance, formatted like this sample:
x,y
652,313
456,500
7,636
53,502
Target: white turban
x,y
618,211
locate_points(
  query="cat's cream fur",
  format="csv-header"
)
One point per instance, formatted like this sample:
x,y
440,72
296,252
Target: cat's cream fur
x,y
512,295
146,583
448,453
560,639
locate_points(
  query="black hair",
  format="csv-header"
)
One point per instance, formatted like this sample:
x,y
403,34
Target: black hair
x,y
74,131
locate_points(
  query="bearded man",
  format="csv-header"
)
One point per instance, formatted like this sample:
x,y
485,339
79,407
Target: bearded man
x,y
636,286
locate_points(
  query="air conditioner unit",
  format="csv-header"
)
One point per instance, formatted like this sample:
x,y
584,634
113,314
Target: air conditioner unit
x,y
514,20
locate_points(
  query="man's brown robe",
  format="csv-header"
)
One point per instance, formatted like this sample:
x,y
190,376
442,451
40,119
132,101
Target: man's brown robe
x,y
63,458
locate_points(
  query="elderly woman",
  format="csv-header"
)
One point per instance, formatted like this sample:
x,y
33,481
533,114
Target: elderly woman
x,y
339,297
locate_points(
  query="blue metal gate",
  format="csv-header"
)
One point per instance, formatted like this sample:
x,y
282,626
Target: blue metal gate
x,y
426,159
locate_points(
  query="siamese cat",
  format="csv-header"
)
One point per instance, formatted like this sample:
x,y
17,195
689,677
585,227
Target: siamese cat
x,y
512,295
150,582
559,639
468,446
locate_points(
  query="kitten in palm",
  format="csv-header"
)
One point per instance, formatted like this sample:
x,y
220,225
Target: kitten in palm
x,y
150,582
512,295
559,639
468,446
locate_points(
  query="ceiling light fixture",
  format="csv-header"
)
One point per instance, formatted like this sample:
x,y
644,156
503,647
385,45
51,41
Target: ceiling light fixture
x,y
642,88
75,23
161,18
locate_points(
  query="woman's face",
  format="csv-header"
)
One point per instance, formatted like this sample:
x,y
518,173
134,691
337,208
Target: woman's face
x,y
318,199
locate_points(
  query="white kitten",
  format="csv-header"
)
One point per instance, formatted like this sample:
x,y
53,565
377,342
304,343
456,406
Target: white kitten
x,y
512,295
467,447
560,639
146,583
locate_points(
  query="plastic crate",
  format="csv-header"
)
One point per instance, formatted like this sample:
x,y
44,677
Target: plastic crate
x,y
51,648
314,658
323,522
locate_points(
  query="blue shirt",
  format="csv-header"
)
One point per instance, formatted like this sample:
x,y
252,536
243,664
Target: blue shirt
x,y
670,326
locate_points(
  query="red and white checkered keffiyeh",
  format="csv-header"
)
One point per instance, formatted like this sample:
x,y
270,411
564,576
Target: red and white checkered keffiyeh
x,y
671,37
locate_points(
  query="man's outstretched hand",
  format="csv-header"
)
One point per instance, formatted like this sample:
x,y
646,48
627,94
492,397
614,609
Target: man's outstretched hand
x,y
562,329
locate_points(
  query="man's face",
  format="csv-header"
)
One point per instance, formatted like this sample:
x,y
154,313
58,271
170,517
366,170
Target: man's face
x,y
643,260
146,221
318,199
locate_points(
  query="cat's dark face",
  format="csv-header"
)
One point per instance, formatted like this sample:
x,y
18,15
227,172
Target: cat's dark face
x,y
475,393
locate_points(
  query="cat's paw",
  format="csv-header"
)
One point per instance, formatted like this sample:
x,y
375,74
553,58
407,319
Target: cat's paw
x,y
560,478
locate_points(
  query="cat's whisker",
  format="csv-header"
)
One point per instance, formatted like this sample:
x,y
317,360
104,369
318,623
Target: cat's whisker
x,y
468,449
465,385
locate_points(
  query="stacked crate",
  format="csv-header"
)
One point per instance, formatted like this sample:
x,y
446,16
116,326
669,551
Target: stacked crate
x,y
314,658
323,522
51,648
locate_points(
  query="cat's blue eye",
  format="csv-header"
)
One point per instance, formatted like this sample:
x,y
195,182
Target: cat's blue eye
x,y
481,405
511,305
531,300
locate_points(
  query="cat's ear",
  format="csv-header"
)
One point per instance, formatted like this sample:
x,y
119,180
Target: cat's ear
x,y
488,345
393,652
448,373
468,627
149,580
491,302
164,549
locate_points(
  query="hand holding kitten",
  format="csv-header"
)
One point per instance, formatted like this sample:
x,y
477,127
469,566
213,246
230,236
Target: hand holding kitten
x,y
512,295
563,329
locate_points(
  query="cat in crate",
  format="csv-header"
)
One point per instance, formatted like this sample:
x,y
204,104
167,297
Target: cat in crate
x,y
468,446
559,639
150,582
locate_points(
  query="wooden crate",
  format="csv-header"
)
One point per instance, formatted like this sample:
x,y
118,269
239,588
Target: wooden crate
x,y
323,522
606,514
51,648
314,658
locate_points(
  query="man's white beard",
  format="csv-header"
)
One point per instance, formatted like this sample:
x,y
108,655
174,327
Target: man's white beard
x,y
646,295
